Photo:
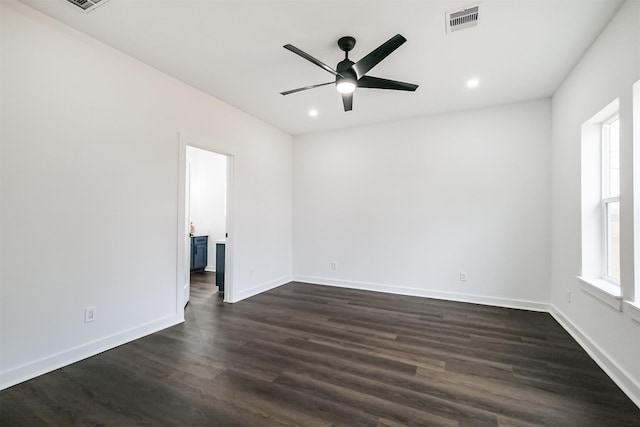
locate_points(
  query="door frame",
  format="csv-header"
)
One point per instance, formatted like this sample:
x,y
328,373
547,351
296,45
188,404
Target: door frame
x,y
183,269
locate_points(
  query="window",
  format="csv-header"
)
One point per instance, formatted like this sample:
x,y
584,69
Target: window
x,y
600,203
611,199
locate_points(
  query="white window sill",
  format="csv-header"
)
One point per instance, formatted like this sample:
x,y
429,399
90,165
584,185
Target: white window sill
x,y
606,292
633,309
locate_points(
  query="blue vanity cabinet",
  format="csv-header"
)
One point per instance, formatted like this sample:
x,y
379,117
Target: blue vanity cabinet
x,y
199,252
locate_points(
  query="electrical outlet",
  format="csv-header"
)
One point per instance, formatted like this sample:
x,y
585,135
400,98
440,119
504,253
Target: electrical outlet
x,y
463,276
334,265
568,296
89,314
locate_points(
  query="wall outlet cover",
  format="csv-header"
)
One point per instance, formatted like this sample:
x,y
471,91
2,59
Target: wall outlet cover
x,y
89,314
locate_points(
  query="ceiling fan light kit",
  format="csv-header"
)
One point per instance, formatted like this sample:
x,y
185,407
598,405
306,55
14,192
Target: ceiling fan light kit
x,y
350,75
346,86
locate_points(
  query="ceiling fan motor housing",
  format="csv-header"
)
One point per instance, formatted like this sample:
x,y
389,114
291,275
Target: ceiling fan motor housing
x,y
347,73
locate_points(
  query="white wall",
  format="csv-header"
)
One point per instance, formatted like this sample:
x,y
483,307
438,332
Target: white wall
x,y
90,147
208,177
607,71
406,206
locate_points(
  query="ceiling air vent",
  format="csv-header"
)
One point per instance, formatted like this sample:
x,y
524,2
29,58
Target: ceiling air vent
x,y
87,5
464,18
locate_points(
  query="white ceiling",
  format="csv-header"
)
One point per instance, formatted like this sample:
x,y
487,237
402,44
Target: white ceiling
x,y
232,50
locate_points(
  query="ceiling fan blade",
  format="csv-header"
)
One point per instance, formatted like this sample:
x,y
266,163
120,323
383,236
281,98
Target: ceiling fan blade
x,y
310,58
300,89
377,55
378,83
347,101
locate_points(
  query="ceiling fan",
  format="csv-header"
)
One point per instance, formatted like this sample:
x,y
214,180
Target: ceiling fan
x,y
350,75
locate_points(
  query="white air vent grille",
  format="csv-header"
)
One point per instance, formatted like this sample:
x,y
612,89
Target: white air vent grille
x,y
461,19
87,5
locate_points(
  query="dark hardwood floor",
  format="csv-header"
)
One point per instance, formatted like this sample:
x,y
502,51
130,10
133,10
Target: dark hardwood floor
x,y
305,355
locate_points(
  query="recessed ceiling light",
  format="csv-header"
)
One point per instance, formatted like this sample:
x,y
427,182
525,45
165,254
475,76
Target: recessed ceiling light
x,y
471,83
313,112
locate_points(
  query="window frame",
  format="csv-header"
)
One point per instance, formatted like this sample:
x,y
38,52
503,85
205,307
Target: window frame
x,y
607,199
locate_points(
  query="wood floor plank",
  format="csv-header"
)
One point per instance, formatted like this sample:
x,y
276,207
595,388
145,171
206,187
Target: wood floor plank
x,y
367,402
306,355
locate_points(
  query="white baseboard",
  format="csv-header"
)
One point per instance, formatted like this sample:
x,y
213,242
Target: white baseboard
x,y
450,296
210,269
263,287
36,368
623,379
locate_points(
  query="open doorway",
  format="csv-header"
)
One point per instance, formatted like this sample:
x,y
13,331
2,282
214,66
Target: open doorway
x,y
206,215
204,221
